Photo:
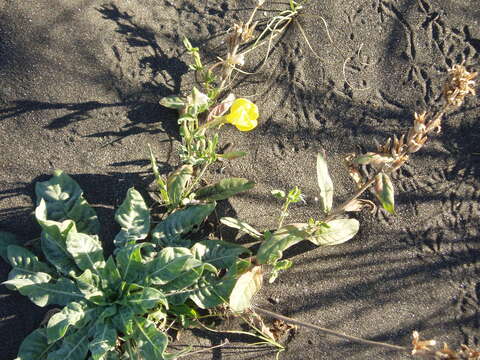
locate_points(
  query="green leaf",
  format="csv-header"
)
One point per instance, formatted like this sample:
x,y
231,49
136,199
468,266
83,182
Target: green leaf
x,y
133,216
325,184
337,232
71,315
274,245
211,291
55,250
224,189
73,347
220,254
104,340
6,239
123,320
246,287
110,276
145,299
177,289
86,251
89,285
385,192
277,267
241,225
173,102
129,262
57,230
151,343
171,263
35,346
64,200
232,155
170,230
38,288
162,185
24,262
177,182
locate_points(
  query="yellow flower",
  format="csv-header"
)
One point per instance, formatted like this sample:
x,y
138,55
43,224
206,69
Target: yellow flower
x,y
243,115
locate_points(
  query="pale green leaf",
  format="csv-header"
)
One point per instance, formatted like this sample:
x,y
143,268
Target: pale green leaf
x,y
24,262
177,182
337,232
145,299
247,285
325,184
171,263
241,225
86,251
151,342
57,254
64,200
173,102
211,291
133,216
70,315
130,263
72,347
273,247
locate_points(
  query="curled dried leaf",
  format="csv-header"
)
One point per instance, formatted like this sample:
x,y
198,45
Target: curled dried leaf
x,y
360,204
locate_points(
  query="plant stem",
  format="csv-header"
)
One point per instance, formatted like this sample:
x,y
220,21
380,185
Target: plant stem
x,y
197,179
328,331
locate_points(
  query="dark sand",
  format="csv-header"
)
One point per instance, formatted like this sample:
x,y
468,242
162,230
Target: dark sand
x,y
79,88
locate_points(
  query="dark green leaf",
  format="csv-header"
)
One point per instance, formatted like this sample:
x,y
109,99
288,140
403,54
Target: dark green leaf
x,y
133,216
224,189
6,239
71,315
211,291
337,232
64,200
73,347
145,299
104,340
110,276
35,346
220,254
55,250
151,342
273,247
325,184
245,288
86,251
385,192
170,230
177,182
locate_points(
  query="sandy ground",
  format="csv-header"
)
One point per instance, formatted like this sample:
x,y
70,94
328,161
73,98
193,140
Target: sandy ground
x,y
79,88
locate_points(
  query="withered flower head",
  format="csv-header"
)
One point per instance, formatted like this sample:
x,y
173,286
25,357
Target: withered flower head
x,y
460,84
421,347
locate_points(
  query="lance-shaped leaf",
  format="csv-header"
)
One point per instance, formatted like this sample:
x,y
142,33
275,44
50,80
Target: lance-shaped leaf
x,y
385,192
336,232
171,263
89,285
211,291
56,229
220,254
72,347
64,200
325,184
241,225
169,231
162,185
224,189
248,284
275,244
123,320
177,182
6,239
232,155
86,251
182,287
110,277
35,346
57,254
145,299
133,216
104,340
71,315
173,102
42,292
151,342
24,262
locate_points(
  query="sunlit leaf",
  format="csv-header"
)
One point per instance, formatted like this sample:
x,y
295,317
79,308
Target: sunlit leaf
x,y
177,182
104,340
241,225
385,192
171,263
173,102
224,189
245,288
220,254
325,184
86,251
337,232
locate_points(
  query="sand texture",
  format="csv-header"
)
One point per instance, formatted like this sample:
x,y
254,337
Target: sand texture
x,y
80,82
